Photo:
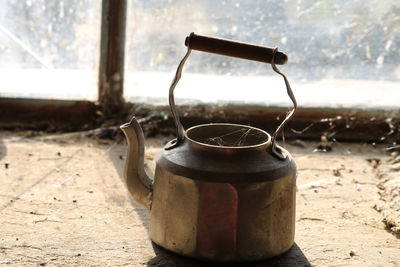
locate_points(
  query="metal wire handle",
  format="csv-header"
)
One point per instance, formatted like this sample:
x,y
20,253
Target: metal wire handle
x,y
276,150
180,132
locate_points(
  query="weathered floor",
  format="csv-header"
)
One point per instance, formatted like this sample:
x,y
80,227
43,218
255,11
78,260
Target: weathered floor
x,y
63,202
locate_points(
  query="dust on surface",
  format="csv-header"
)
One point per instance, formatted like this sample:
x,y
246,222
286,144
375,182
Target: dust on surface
x,y
389,184
63,202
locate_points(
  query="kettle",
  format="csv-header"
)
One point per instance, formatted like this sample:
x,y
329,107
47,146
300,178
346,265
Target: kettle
x,y
221,192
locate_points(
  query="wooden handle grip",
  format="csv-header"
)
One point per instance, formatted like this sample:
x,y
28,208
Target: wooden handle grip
x,y
234,49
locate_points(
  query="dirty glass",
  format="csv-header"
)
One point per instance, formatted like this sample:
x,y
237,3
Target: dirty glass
x,y
49,48
335,40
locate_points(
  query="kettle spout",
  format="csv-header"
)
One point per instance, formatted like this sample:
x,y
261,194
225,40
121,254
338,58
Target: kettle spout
x,y
138,182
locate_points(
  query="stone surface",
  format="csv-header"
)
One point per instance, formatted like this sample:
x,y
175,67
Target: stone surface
x,y
63,203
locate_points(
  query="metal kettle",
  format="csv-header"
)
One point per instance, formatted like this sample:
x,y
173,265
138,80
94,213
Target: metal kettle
x,y
222,192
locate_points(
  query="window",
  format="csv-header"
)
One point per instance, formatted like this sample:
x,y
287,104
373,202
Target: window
x,y
343,60
49,49
341,53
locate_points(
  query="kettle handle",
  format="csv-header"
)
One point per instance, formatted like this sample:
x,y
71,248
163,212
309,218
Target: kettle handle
x,y
235,49
221,46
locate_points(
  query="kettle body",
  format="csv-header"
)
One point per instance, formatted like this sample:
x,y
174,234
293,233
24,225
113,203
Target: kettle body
x,y
221,202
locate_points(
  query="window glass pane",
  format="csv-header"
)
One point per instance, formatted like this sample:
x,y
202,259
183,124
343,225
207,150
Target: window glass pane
x,y
340,52
49,49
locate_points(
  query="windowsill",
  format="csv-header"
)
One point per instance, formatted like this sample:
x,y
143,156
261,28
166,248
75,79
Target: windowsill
x,y
152,88
148,87
61,84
